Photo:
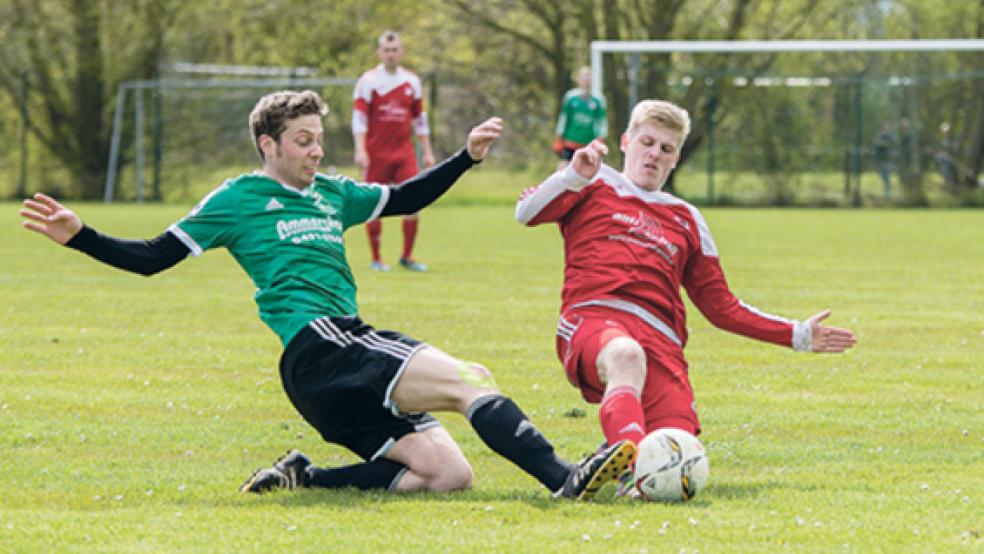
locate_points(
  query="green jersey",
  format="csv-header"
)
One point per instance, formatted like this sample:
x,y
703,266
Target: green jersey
x,y
581,119
288,241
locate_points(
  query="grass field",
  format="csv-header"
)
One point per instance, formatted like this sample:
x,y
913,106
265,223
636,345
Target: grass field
x,y
131,408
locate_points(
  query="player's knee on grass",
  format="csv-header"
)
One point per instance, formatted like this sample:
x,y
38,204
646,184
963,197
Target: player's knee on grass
x,y
622,361
441,469
453,477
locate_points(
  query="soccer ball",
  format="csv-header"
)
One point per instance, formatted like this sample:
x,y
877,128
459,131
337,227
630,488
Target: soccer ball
x,y
671,466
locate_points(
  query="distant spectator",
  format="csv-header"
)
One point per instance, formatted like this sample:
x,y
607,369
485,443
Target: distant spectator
x,y
882,157
945,157
905,160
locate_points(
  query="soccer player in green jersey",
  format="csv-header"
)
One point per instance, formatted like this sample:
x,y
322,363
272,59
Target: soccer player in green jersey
x,y
582,119
366,389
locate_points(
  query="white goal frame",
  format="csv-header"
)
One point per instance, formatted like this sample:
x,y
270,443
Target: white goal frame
x,y
601,47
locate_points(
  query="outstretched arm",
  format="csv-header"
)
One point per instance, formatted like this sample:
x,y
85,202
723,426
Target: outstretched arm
x,y
48,217
828,339
420,191
707,287
705,283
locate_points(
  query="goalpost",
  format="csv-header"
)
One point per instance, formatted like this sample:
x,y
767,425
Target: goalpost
x,y
601,47
251,79
634,48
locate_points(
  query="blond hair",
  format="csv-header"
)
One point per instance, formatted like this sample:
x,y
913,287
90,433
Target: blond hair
x,y
273,111
662,113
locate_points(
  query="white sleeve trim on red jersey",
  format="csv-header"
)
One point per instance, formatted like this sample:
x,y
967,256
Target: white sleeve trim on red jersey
x,y
707,246
363,87
802,336
363,91
765,315
415,83
529,205
420,125
360,123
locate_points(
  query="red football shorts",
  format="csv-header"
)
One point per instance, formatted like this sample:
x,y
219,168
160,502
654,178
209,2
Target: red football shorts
x,y
391,171
667,397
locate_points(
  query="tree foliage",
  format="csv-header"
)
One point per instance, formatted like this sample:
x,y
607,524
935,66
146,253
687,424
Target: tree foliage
x,y
74,53
514,58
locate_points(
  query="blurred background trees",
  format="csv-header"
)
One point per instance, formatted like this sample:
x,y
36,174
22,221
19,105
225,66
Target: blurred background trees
x,y
62,61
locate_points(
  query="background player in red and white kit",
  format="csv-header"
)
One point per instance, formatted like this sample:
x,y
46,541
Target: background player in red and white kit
x,y
388,103
628,248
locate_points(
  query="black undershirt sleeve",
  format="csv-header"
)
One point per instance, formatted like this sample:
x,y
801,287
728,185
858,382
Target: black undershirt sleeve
x,y
419,191
145,257
148,257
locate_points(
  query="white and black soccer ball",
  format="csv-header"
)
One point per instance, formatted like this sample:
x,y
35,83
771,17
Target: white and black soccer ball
x,y
671,466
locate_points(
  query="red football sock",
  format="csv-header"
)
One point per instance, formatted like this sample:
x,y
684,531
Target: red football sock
x,y
375,230
409,236
621,415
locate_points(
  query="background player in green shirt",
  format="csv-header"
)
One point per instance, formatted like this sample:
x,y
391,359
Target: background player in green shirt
x,y
582,119
366,389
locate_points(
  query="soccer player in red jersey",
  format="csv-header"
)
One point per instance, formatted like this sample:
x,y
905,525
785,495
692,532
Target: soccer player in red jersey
x,y
628,248
388,103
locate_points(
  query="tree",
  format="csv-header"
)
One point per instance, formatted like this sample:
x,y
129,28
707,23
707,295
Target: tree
x,y
67,52
557,39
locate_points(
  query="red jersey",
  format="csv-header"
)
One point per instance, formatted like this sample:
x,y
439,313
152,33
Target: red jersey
x,y
387,105
630,249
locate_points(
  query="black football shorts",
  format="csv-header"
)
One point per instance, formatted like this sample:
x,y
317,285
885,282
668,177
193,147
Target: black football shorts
x,y
340,373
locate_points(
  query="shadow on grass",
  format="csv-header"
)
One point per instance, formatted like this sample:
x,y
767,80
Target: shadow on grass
x,y
352,498
541,500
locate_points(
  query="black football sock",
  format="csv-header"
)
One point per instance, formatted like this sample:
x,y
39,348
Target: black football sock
x,y
377,474
507,431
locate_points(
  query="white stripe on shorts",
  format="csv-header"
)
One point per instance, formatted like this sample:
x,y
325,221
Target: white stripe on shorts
x,y
330,327
371,340
326,333
328,330
374,341
565,329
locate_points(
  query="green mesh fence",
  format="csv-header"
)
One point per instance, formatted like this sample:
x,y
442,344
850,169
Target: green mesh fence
x,y
196,135
832,129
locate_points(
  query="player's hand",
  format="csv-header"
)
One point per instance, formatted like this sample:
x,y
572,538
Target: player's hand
x,y
829,339
428,160
362,162
482,136
49,218
587,159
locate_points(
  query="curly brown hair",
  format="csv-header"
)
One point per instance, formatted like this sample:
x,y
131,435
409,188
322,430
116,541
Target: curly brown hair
x,y
273,111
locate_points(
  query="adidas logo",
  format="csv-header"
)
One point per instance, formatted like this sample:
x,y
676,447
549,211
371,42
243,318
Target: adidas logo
x,y
632,427
523,427
274,204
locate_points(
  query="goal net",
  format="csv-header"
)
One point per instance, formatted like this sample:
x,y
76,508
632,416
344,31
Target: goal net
x,y
809,122
176,138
